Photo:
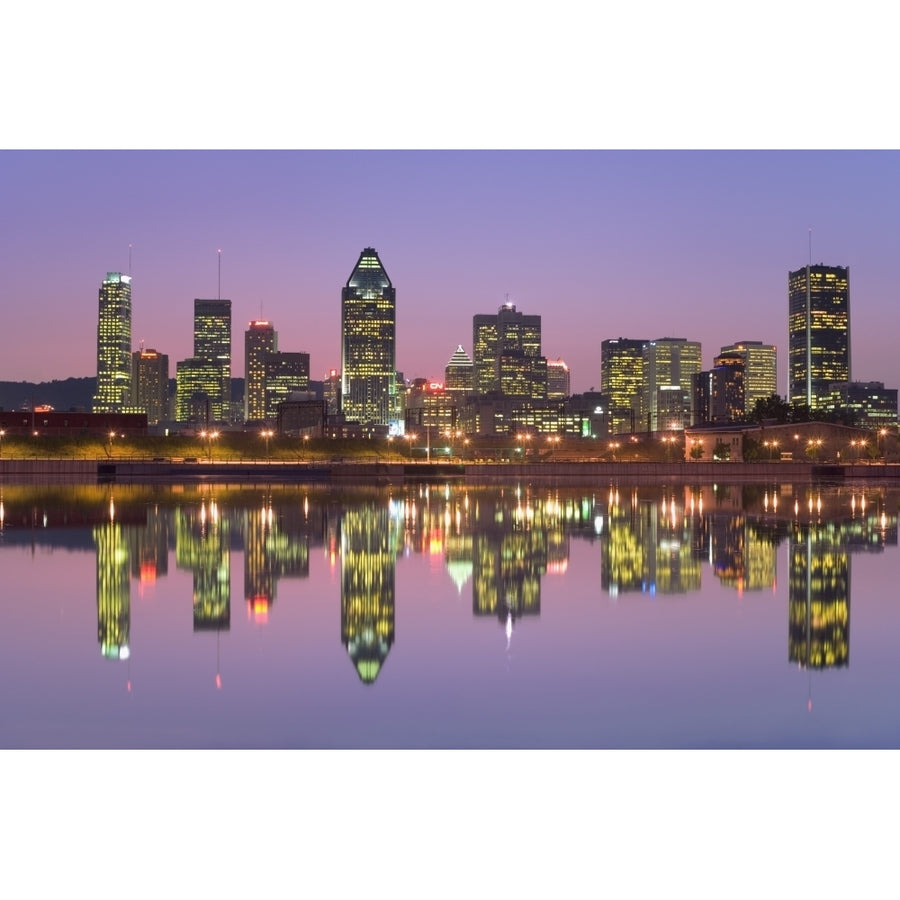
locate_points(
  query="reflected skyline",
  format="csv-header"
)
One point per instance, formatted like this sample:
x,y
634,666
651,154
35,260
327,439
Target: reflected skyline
x,y
364,567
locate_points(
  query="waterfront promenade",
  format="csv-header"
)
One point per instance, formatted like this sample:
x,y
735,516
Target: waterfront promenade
x,y
126,471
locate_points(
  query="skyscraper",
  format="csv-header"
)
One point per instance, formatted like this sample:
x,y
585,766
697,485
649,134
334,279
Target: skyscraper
x,y
558,380
459,373
622,382
369,343
507,349
670,365
760,370
150,384
285,373
211,365
114,344
818,332
260,339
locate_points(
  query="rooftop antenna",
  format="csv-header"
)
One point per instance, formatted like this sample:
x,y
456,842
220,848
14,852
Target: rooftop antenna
x,y
129,259
810,246
219,297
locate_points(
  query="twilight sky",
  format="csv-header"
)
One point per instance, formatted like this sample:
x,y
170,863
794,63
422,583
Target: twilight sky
x,y
600,244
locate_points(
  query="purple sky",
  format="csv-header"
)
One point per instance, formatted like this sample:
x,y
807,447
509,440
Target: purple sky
x,y
600,244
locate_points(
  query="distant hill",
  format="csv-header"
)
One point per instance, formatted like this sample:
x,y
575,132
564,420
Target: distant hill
x,y
71,393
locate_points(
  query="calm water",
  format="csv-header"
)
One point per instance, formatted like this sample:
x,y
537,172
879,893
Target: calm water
x,y
449,616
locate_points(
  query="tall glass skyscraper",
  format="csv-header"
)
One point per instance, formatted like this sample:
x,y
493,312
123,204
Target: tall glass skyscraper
x,y
369,344
114,344
818,332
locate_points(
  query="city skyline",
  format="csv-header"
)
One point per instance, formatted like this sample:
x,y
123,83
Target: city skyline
x,y
694,244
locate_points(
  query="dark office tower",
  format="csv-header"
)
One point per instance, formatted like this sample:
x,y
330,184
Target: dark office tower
x,y
285,373
459,374
331,388
368,560
726,395
622,382
260,339
369,343
760,370
507,349
114,344
113,590
150,384
212,346
558,380
818,332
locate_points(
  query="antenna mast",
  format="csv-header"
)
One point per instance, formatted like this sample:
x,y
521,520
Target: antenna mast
x,y
219,296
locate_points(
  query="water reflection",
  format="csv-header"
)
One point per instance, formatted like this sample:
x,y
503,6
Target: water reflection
x,y
496,546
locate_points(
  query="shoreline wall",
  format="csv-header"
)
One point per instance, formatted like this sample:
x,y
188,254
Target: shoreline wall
x,y
143,471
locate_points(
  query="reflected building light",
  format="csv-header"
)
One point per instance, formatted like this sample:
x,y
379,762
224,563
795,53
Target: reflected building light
x,y
509,629
112,510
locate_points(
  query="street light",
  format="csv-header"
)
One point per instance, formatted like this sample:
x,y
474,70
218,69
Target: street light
x,y
209,437
267,433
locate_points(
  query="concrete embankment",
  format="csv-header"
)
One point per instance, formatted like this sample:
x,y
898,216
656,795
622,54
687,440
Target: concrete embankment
x,y
177,471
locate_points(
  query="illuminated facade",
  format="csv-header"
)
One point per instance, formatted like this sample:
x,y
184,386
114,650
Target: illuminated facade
x,y
114,344
507,354
872,404
459,374
212,345
760,370
670,367
196,382
429,405
113,590
369,343
558,380
818,332
285,374
622,382
202,546
819,599
150,384
368,560
260,339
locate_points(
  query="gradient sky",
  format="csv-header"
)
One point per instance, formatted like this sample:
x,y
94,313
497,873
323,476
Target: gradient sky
x,y
600,244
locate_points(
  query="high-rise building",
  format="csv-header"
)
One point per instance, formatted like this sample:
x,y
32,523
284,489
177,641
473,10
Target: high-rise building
x,y
558,380
760,370
719,392
260,339
818,332
622,382
212,344
507,350
459,374
331,389
114,344
369,343
285,373
150,384
670,365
